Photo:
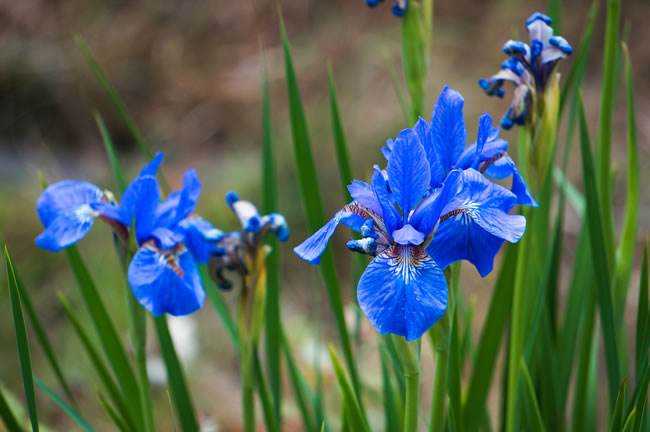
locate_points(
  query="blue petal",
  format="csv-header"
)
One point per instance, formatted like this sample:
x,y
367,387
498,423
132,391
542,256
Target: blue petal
x,y
311,249
147,199
277,224
426,215
408,172
138,189
201,237
67,229
505,167
362,193
475,224
245,211
65,196
386,200
448,134
151,169
403,291
161,287
407,235
180,204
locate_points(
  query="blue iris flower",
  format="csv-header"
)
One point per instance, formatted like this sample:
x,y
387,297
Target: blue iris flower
x,y
398,8
235,250
171,239
415,218
444,141
528,68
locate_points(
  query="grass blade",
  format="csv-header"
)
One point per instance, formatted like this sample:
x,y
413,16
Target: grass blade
x,y
7,416
262,389
392,420
104,375
616,423
605,123
642,319
600,263
490,340
413,57
65,407
532,406
300,389
625,251
113,95
340,143
357,417
21,340
220,307
175,377
270,204
113,160
42,338
110,341
312,202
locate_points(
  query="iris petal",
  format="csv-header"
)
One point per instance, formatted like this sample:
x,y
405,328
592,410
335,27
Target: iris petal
x,y
426,215
408,172
163,288
200,237
67,229
448,134
403,291
386,200
65,196
362,193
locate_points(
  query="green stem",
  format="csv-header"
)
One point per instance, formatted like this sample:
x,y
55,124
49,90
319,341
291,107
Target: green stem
x,y
440,340
248,387
411,369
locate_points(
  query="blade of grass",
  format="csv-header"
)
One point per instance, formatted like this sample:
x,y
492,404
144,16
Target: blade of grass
x,y
270,420
605,125
340,143
104,375
22,341
600,262
392,419
65,407
114,416
175,377
113,160
110,341
358,420
627,243
113,95
42,338
7,416
270,204
490,340
616,423
413,57
532,406
300,389
220,306
642,319
455,366
313,204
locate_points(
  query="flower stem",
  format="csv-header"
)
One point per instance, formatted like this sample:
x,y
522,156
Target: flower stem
x,y
440,341
248,388
411,367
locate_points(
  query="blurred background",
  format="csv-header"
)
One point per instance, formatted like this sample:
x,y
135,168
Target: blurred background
x,y
190,74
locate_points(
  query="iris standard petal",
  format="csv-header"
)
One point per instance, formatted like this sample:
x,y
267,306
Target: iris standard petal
x,y
145,204
448,133
311,249
201,237
65,196
403,291
164,283
408,172
362,193
67,228
386,200
426,215
245,211
504,167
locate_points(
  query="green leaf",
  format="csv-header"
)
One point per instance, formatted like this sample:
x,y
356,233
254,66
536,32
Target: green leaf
x,y
532,406
605,127
487,350
642,318
300,389
65,407
625,251
455,366
313,204
600,262
616,423
42,337
358,420
340,143
113,95
555,12
220,306
110,341
413,57
21,340
392,420
113,159
270,420
270,204
104,375
7,415
577,72
574,196
175,377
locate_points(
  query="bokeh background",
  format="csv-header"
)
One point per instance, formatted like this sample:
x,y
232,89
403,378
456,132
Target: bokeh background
x,y
190,75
